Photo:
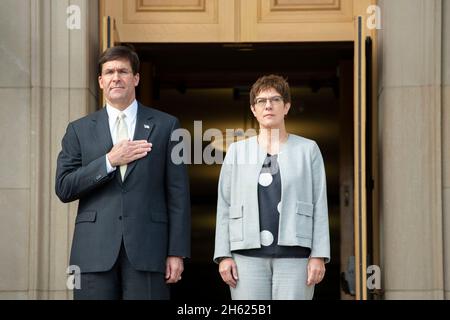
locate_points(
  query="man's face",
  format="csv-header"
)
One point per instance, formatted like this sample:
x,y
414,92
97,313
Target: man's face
x,y
269,109
118,83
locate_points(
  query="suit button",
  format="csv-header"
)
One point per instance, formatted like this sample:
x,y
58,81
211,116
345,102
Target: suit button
x,y
120,217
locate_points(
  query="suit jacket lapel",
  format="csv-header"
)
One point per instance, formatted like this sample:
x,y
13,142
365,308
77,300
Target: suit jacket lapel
x,y
144,127
102,132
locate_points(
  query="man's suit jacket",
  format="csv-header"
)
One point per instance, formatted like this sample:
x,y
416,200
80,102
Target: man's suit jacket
x,y
304,209
150,210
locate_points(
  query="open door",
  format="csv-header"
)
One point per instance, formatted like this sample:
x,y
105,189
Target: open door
x,y
108,40
362,156
108,33
358,170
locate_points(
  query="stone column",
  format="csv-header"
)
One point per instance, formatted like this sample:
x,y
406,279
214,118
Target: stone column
x,y
446,141
15,129
411,149
49,80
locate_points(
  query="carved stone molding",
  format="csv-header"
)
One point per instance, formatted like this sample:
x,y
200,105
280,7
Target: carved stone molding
x,y
305,5
168,6
170,12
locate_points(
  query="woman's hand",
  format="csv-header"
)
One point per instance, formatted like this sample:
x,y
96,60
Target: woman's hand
x,y
316,271
228,272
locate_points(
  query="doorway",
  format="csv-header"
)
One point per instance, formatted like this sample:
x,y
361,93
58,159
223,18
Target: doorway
x,y
211,83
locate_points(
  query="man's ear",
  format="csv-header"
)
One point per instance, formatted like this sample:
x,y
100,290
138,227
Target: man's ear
x,y
100,82
136,79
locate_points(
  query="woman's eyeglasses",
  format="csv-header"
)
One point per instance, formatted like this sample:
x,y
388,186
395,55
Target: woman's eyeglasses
x,y
261,102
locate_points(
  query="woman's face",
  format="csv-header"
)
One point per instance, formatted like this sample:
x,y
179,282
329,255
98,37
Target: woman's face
x,y
269,109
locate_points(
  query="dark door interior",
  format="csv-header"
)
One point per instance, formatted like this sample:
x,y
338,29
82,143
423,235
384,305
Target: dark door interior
x,y
211,83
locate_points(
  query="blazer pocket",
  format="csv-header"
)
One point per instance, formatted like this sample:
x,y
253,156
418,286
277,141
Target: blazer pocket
x,y
236,227
86,216
304,219
159,217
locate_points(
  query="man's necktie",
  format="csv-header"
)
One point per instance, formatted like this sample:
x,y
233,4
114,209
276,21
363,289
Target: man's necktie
x,y
122,134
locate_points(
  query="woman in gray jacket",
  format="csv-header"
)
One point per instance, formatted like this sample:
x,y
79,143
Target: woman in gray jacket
x,y
272,234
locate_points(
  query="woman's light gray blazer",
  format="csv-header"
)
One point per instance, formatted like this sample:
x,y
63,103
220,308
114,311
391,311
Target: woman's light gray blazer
x,y
304,209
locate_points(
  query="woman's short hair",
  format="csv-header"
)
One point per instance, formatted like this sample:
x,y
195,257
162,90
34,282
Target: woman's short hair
x,y
271,81
119,53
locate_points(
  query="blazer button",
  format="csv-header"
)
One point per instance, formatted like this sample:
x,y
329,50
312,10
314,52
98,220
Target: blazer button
x,y
120,217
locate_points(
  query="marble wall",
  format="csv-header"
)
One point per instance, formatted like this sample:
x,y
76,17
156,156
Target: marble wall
x,y
414,141
47,78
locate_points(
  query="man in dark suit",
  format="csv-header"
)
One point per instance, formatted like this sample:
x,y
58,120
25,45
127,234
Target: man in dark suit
x,y
132,228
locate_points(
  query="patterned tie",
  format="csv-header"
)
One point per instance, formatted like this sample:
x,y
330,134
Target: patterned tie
x,y
122,134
